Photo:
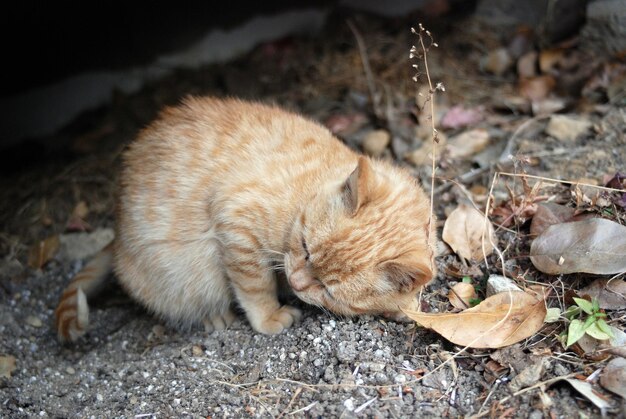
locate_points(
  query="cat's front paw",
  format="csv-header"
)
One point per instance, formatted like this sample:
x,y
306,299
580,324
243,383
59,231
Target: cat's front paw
x,y
278,321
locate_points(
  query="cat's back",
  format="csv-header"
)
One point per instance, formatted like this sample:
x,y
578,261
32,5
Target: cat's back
x,y
225,133
209,152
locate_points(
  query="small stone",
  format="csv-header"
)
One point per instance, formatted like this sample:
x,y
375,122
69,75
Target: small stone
x,y
399,379
197,350
34,321
381,378
375,142
468,143
498,283
528,376
70,370
349,404
423,154
346,352
7,365
133,400
99,397
498,61
372,366
329,374
567,128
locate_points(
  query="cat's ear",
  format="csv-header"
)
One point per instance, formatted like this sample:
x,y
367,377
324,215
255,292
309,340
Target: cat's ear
x,y
408,275
356,190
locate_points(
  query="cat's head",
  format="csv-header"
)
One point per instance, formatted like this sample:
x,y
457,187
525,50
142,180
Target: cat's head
x,y
363,245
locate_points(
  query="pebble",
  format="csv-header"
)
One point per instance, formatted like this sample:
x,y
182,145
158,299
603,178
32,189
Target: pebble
x,y
349,404
381,378
197,350
567,128
498,283
375,142
70,370
34,321
346,352
498,61
399,379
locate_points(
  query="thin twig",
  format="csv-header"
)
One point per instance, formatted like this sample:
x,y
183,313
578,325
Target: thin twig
x,y
366,68
560,181
303,409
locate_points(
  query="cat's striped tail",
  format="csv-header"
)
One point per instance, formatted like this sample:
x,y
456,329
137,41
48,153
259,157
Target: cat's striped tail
x,y
72,313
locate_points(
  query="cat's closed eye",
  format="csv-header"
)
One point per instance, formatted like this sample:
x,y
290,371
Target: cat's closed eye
x,y
307,255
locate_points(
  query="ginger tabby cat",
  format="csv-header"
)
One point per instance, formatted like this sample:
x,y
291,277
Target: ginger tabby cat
x,y
217,194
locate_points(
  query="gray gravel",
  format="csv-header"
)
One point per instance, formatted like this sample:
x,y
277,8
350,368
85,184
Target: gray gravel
x,y
130,365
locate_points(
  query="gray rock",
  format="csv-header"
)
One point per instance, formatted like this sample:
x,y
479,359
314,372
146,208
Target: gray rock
x,y
498,283
346,352
605,29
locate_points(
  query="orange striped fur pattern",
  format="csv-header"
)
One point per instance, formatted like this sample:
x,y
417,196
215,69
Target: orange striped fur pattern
x,y
217,194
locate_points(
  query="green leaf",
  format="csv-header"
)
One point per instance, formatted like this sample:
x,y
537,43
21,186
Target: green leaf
x,y
595,332
474,301
595,305
467,280
552,315
585,305
603,325
590,320
571,312
574,332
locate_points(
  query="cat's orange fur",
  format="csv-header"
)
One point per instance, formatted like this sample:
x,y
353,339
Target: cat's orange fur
x,y
217,194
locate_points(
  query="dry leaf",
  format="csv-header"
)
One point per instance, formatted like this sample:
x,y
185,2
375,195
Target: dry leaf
x,y
527,65
549,214
458,117
549,58
345,124
461,294
548,106
611,295
598,350
536,88
587,390
498,61
613,377
468,143
596,246
464,230
80,210
42,252
496,322
7,365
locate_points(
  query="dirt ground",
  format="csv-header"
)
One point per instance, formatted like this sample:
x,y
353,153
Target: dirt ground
x,y
130,365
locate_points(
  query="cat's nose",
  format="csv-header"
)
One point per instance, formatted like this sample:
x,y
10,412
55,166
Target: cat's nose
x,y
300,280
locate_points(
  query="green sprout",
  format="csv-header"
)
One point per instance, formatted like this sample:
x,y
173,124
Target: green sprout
x,y
586,318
